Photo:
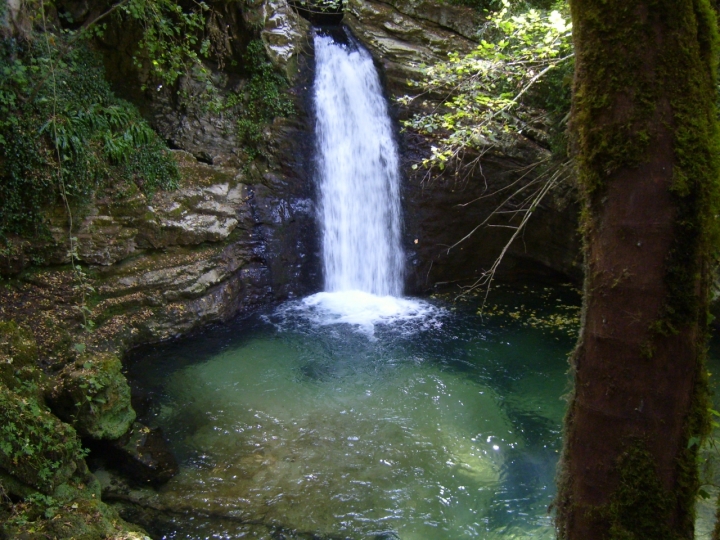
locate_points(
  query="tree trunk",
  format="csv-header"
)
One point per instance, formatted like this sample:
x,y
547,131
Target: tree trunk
x,y
645,135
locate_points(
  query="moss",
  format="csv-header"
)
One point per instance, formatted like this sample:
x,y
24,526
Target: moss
x,y
35,446
196,173
18,357
265,97
93,395
696,192
84,515
636,507
633,511
620,107
698,427
695,176
614,47
17,343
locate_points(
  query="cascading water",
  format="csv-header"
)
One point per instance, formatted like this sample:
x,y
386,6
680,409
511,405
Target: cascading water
x,y
358,170
359,185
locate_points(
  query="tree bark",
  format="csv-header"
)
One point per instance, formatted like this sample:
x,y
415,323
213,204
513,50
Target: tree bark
x,y
645,137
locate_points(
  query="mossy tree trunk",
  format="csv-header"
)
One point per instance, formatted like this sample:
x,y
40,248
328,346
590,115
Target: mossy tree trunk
x,y
645,135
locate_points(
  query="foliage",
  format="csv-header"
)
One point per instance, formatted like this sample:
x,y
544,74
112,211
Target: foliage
x,y
47,504
172,42
262,99
517,77
94,397
64,134
639,500
35,445
495,5
321,6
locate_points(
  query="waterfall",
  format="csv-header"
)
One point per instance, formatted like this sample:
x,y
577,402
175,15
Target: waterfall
x,y
359,199
359,202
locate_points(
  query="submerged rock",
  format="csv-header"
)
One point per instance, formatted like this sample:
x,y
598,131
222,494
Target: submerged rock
x,y
142,454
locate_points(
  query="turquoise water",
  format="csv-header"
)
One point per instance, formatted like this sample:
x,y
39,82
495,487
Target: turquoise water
x,y
444,426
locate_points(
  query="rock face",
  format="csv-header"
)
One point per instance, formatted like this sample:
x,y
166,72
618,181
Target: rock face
x,y
441,212
284,35
238,234
241,233
94,397
404,35
227,241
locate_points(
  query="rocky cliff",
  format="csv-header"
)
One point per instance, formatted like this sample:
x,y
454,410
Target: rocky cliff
x,y
238,233
441,209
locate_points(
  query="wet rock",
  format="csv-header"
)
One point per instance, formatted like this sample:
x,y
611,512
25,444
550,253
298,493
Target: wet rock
x,y
93,395
284,35
73,510
142,455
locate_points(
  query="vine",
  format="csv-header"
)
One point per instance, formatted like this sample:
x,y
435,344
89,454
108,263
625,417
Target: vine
x,y
82,284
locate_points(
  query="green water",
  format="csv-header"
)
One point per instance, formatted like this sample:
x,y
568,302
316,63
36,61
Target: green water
x,y
442,428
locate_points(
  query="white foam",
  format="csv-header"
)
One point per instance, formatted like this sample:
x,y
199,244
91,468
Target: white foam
x,y
365,311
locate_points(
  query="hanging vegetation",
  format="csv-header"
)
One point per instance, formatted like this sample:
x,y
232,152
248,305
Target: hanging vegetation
x,y
516,82
64,133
